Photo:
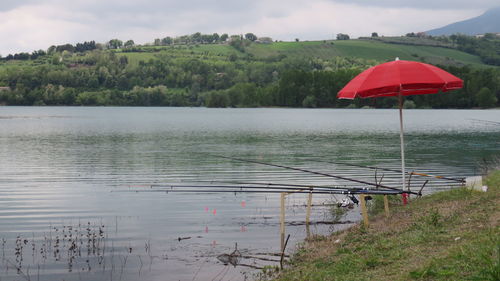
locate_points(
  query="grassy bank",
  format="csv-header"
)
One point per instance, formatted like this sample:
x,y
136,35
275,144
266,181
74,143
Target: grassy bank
x,y
452,235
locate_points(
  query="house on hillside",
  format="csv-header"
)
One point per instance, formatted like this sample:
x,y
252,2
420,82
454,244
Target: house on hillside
x,y
4,89
264,40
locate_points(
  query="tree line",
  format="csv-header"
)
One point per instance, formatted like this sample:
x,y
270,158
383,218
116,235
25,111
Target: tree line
x,y
195,38
89,74
105,78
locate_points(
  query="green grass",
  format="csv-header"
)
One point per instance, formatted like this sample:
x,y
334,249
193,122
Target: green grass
x,y
134,58
215,49
365,49
451,235
384,52
212,52
311,49
326,50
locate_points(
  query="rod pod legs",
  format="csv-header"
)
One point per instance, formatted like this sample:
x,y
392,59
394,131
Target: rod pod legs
x,y
282,221
364,210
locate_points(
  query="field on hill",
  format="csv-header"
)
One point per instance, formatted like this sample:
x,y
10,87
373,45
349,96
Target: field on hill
x,y
324,50
366,49
378,51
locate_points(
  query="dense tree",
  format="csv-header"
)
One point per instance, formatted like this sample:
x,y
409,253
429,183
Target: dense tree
x,y
342,36
114,44
22,56
216,37
196,37
51,50
309,101
239,44
66,47
167,41
85,46
129,43
250,36
216,99
485,98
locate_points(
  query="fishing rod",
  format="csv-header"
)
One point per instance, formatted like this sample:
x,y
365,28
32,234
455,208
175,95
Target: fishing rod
x,y
313,172
368,192
303,188
268,184
461,180
485,121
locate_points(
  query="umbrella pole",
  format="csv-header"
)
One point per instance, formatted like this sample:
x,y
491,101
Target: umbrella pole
x,y
400,96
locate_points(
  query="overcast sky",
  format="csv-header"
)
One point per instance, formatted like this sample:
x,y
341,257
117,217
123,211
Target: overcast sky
x,y
27,25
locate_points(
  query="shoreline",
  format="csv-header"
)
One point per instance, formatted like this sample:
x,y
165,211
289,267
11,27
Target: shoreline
x,y
260,107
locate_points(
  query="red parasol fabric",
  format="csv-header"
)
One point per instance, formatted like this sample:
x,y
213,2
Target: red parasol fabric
x,y
400,78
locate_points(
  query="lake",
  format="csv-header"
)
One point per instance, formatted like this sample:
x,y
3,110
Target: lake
x,y
76,201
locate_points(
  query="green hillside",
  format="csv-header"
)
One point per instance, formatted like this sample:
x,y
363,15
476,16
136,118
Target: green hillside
x,y
325,50
366,49
238,73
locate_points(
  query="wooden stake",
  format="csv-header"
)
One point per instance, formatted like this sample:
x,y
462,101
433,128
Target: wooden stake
x,y
282,221
364,211
386,206
308,213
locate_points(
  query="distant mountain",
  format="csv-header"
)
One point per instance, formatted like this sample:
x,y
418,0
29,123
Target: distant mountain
x,y
489,22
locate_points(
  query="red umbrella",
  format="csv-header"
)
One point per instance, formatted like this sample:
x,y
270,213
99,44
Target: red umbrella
x,y
400,78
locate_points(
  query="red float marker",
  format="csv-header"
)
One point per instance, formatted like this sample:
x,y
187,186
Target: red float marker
x,y
206,209
214,211
405,198
243,204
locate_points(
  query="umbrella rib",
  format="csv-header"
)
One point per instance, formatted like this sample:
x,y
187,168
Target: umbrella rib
x,y
436,71
400,91
368,72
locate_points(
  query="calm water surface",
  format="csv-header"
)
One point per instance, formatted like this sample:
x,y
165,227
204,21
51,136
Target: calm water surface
x,y
68,210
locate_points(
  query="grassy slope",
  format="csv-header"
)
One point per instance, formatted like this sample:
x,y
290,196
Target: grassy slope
x,y
364,49
134,58
452,235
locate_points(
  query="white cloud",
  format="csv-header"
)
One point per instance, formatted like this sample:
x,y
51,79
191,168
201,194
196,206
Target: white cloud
x,y
35,27
324,19
36,24
426,4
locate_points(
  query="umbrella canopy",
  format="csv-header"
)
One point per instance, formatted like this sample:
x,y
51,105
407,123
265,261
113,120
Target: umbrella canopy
x,y
400,78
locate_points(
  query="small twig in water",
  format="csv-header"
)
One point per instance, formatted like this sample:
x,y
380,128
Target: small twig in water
x,y
283,251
